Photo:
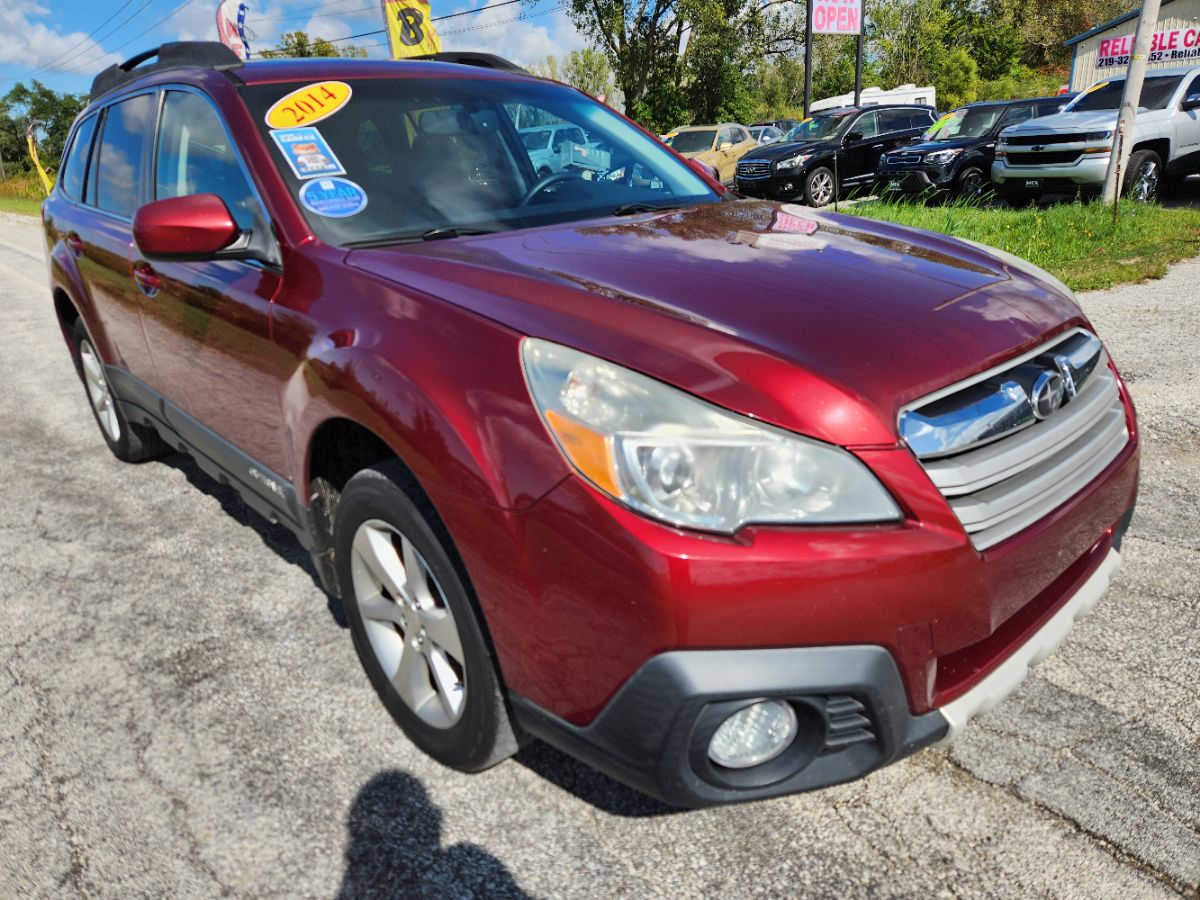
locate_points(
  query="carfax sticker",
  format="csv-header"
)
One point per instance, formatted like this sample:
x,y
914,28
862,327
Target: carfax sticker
x,y
309,104
307,152
334,198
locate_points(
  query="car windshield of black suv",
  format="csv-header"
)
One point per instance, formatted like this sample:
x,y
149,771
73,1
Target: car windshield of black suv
x,y
692,141
968,122
385,160
818,128
1156,94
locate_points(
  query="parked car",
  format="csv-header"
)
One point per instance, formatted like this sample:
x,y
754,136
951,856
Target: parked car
x,y
830,154
546,144
954,157
570,478
1069,152
720,146
766,134
784,125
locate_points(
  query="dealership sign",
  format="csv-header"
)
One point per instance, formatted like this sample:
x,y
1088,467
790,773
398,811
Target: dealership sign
x,y
1177,45
836,16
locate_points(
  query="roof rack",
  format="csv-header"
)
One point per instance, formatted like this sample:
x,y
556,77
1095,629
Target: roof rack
x,y
469,58
176,55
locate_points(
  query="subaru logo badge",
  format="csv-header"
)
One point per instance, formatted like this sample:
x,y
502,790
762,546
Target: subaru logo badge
x,y
1048,393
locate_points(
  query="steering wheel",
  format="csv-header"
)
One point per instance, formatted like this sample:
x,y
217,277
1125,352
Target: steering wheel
x,y
544,182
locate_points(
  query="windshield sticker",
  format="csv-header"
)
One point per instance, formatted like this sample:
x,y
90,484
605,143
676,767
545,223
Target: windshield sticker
x,y
307,152
309,104
940,123
334,198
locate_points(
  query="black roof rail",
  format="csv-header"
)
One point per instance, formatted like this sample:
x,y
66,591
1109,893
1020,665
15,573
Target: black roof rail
x,y
470,58
176,55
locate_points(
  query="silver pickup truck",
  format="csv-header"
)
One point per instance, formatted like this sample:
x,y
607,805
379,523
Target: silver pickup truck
x,y
1069,152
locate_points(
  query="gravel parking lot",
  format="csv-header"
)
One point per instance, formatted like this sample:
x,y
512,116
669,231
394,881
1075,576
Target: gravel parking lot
x,y
182,714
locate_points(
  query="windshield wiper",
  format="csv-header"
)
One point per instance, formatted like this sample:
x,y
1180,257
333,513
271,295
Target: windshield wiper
x,y
433,234
630,209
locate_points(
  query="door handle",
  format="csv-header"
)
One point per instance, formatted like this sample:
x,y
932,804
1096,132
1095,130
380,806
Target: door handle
x,y
147,279
876,146
74,243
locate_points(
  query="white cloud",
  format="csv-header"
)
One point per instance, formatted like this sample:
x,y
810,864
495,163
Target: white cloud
x,y
525,41
35,44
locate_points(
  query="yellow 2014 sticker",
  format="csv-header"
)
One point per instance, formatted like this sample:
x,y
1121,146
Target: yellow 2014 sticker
x,y
309,104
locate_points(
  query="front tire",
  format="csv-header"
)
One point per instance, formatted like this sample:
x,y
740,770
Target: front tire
x,y
414,625
128,442
819,187
1142,176
972,184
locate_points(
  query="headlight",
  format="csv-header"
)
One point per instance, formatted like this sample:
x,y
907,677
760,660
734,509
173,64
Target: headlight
x,y
793,161
679,459
1098,136
941,157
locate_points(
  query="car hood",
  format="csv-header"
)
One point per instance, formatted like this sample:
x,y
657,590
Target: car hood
x,y
828,333
783,151
1099,120
962,143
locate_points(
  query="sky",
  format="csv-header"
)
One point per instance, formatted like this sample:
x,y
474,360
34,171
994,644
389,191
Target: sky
x,y
64,43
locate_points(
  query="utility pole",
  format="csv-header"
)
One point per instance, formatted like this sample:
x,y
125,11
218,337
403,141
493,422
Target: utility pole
x,y
1119,157
862,27
807,56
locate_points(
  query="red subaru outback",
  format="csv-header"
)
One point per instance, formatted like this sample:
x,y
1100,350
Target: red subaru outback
x,y
726,498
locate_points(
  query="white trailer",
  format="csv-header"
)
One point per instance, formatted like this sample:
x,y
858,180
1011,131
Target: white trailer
x,y
876,96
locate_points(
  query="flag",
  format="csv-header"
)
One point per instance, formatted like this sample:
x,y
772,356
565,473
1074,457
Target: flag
x,y
410,28
231,27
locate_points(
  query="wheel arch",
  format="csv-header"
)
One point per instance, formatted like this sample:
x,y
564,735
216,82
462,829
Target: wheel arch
x,y
1161,146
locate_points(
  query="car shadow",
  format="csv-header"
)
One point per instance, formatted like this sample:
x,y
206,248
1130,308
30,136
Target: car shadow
x,y
395,849
277,538
572,776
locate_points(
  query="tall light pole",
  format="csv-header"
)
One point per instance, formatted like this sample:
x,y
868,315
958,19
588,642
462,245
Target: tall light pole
x,y
1119,158
808,38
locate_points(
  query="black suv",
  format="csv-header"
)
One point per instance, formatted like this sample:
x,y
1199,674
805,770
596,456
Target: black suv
x,y
830,153
955,155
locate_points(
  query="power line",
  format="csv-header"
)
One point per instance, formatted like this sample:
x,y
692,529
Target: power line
x,y
83,64
44,66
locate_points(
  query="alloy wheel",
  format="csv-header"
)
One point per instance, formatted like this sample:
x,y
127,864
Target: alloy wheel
x,y
98,391
1145,185
409,624
821,189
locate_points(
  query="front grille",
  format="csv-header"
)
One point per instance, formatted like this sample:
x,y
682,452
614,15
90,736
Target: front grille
x,y
754,168
846,723
903,159
1001,463
1035,140
1047,158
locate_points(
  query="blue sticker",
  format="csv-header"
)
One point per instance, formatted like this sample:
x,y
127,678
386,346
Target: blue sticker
x,y
335,198
307,152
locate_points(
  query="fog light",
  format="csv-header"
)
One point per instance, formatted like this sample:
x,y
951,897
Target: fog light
x,y
753,735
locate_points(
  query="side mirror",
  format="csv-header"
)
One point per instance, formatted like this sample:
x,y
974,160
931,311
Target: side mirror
x,y
1191,101
184,228
853,137
704,169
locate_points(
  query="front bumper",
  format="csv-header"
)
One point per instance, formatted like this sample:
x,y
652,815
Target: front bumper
x,y
778,186
850,701
1089,169
913,181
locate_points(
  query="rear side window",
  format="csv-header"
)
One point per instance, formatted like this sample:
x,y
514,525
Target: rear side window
x,y
921,118
74,167
195,156
1016,114
122,145
894,120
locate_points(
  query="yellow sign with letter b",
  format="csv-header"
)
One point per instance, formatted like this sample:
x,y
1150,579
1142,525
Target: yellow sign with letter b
x,y
410,28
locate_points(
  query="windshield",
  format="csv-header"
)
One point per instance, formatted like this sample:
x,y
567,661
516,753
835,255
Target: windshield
x,y
693,141
1156,94
424,158
818,128
536,140
963,123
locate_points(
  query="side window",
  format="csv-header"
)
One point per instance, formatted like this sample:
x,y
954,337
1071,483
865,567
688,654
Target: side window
x,y
893,120
194,156
867,125
74,168
1193,88
1016,114
921,118
119,166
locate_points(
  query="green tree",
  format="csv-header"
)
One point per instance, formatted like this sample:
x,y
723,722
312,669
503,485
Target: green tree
x,y
24,105
588,70
299,44
957,79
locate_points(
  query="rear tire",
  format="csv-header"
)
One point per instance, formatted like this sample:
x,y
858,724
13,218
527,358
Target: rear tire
x,y
128,442
414,624
1142,176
